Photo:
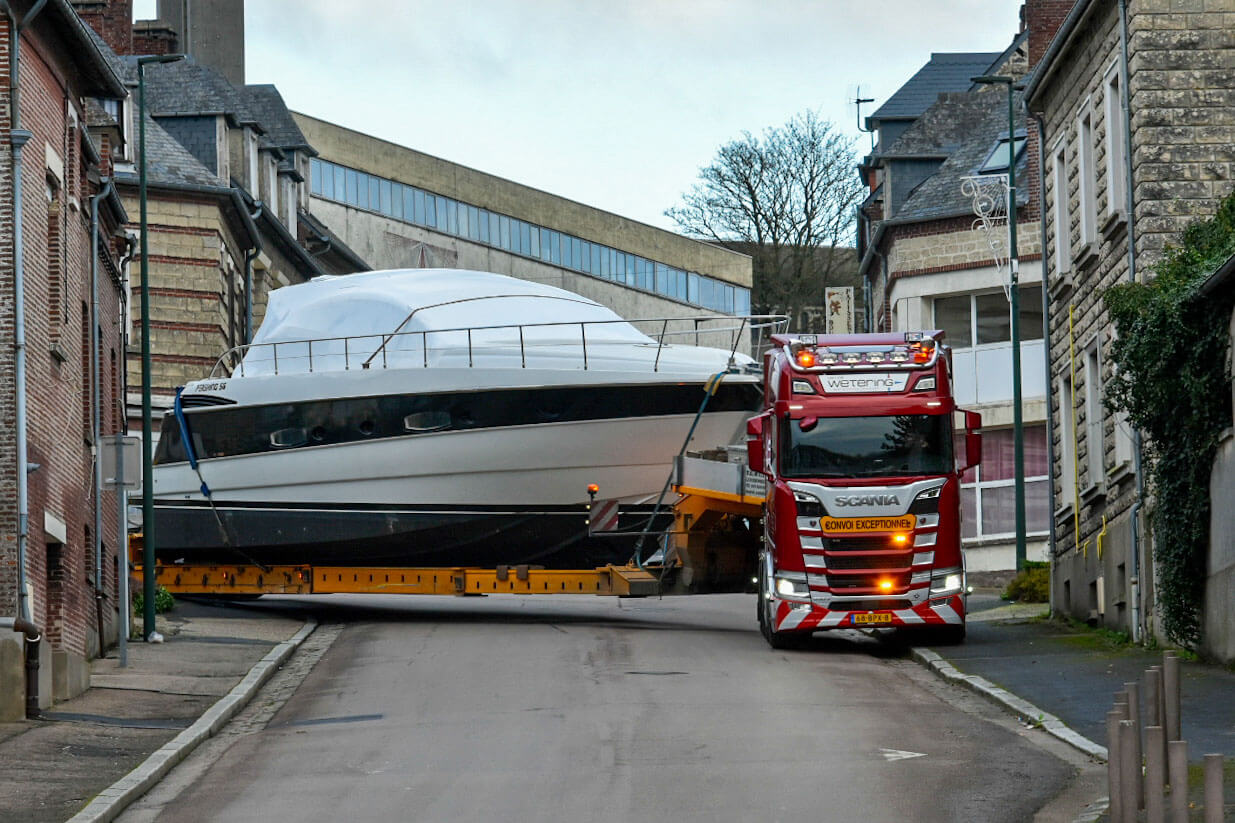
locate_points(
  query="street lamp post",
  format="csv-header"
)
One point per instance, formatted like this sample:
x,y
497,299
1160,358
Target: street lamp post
x,y
147,430
1018,431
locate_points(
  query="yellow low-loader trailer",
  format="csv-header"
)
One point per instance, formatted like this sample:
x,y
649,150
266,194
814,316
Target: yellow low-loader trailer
x,y
716,509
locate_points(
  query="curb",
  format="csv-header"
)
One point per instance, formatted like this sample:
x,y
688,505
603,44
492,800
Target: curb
x,y
110,802
1023,709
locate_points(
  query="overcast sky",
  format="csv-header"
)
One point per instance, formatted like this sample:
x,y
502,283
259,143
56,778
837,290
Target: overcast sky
x,y
615,103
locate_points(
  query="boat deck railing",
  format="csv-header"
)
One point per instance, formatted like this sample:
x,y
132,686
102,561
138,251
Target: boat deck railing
x,y
572,347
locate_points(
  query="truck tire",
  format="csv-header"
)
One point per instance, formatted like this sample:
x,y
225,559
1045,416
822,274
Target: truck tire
x,y
777,640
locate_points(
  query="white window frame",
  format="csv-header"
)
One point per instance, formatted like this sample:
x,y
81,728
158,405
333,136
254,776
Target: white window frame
x,y
1124,442
1067,443
1116,157
979,485
1095,417
1086,175
1063,216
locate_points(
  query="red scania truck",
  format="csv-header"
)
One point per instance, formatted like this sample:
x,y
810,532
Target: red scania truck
x,y
862,519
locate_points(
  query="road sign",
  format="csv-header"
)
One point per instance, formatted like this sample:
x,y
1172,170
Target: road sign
x,y
110,448
602,516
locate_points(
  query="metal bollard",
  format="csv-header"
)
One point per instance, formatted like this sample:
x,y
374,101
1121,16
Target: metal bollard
x,y
1134,715
1153,704
1155,775
1177,765
1213,788
1128,768
1112,764
1170,689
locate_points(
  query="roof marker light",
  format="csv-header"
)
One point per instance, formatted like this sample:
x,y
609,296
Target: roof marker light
x,y
806,358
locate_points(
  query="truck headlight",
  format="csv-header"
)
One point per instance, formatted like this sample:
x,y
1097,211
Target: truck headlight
x,y
788,587
948,582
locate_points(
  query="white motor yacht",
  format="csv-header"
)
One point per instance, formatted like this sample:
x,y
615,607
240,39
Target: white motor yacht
x,y
439,417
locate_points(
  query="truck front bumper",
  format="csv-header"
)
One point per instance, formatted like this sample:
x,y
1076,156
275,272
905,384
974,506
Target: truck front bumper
x,y
800,616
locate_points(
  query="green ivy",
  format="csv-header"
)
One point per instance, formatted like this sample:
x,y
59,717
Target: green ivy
x,y
1173,383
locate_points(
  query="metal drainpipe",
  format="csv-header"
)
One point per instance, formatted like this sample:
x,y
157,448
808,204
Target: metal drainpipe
x,y
33,637
249,257
1125,105
19,137
122,493
1046,337
96,400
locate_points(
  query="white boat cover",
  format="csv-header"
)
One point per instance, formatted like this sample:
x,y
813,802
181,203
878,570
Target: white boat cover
x,y
440,317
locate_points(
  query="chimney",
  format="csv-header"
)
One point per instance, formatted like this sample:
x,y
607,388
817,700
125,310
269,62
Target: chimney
x,y
211,32
111,19
1043,18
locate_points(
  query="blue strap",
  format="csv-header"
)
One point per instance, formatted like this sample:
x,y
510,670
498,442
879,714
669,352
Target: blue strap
x,y
186,439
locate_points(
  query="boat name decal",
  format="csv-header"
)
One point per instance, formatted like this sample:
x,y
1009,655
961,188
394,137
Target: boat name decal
x,y
220,386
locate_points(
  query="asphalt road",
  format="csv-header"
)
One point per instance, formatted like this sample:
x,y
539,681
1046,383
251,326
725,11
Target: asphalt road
x,y
558,708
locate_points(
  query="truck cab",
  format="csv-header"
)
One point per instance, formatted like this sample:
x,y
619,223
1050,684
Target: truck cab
x,y
862,527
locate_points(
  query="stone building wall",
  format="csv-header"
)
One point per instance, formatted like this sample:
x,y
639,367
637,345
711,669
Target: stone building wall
x,y
1181,89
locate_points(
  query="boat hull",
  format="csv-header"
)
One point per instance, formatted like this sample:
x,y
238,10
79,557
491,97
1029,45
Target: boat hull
x,y
510,496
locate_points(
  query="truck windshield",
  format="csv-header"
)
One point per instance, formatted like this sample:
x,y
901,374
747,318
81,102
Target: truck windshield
x,y
908,444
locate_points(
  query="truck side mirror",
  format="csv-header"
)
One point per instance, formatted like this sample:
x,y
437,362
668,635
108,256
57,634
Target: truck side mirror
x,y
754,444
973,440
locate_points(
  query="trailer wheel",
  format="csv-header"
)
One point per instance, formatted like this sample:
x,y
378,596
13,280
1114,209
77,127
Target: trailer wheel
x,y
777,640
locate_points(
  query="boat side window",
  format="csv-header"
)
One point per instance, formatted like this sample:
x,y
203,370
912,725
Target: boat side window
x,y
288,438
427,421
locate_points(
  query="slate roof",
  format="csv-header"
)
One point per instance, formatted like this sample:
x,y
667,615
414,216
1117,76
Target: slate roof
x,y
169,162
266,104
940,195
946,71
188,88
942,127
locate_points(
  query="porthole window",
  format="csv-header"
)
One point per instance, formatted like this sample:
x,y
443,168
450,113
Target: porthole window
x,y
288,438
427,421
366,427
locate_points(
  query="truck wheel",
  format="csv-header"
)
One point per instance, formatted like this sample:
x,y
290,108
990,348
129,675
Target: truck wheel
x,y
777,640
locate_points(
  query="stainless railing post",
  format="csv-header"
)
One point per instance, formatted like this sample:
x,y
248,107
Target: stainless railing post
x,y
522,351
469,348
346,358
310,357
275,349
660,345
583,333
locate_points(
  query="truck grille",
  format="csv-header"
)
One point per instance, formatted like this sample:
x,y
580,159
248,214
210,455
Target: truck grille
x,y
844,582
857,544
874,561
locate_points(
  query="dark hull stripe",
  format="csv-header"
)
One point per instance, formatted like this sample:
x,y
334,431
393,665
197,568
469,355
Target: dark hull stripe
x,y
234,430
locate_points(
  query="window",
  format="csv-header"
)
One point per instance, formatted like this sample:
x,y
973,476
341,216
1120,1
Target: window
x,y
1094,450
413,205
983,319
988,491
1067,442
1063,222
1115,156
1085,175
954,316
997,160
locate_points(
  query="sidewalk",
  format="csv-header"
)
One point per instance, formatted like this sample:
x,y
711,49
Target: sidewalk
x,y
55,765
1074,673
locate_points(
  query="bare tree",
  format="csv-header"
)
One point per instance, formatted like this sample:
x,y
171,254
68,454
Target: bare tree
x,y
785,198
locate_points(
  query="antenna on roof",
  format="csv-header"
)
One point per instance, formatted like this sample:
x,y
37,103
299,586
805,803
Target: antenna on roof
x,y
858,100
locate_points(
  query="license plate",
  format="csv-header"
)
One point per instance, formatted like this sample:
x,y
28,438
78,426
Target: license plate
x,y
872,618
858,525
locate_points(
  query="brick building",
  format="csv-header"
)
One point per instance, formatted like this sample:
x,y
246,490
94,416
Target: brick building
x,y
927,262
1119,188
62,163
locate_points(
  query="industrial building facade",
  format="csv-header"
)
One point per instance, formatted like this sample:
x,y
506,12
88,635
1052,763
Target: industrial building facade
x,y
399,208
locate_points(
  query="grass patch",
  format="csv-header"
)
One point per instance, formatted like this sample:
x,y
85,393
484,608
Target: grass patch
x,y
1032,585
1095,638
